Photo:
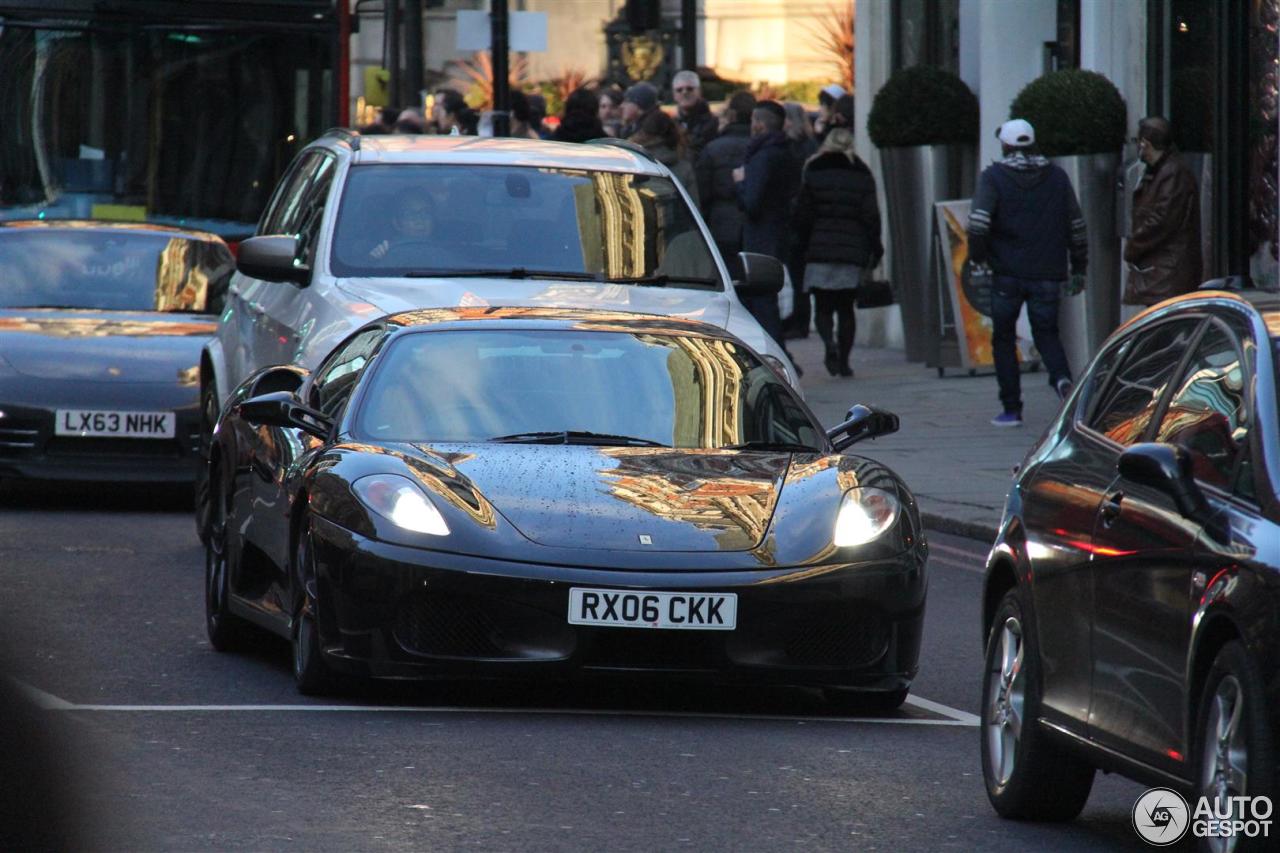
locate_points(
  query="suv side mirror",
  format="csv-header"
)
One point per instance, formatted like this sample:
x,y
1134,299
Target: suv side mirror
x,y
282,409
762,275
1167,469
272,258
862,422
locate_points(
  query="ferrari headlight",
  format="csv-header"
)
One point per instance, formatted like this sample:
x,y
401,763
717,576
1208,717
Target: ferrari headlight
x,y
864,515
399,500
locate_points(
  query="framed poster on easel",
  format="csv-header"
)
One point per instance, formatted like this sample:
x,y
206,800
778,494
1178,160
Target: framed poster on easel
x,y
969,308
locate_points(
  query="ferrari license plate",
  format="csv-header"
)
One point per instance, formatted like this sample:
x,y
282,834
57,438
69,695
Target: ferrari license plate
x,y
612,608
86,422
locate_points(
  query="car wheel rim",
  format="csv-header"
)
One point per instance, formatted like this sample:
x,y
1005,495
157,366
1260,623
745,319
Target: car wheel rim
x,y
216,557
1008,693
1225,770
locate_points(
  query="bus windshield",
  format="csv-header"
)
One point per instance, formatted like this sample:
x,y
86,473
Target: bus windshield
x,y
188,121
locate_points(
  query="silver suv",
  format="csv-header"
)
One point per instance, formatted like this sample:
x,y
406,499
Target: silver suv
x,y
365,226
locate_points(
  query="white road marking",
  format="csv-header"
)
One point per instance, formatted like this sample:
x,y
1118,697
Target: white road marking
x,y
963,717
953,716
959,552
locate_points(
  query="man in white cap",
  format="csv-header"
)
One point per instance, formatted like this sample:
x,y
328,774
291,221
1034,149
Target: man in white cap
x,y
826,104
1024,225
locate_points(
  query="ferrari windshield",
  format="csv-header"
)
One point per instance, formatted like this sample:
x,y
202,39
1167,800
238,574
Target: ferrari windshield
x,y
69,267
587,387
423,220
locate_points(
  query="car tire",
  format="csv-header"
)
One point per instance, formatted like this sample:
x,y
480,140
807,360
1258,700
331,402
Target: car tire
x,y
226,631
865,702
310,673
208,418
1234,753
1027,775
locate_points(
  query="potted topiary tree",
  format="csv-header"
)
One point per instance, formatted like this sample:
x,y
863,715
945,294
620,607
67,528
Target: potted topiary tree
x,y
924,120
1080,121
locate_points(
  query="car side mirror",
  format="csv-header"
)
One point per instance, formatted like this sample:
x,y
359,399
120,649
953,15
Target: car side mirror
x,y
1167,469
282,409
272,258
761,274
862,422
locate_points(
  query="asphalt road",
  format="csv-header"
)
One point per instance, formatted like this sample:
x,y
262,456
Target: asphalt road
x,y
171,746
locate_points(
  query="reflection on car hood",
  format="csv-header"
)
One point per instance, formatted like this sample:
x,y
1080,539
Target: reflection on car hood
x,y
393,295
109,346
575,496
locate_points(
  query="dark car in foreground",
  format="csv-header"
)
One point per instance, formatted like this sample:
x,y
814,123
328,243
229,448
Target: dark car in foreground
x,y
1132,599
101,327
545,493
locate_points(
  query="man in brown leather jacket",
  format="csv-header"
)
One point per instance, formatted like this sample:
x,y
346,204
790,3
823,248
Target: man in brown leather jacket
x,y
1163,251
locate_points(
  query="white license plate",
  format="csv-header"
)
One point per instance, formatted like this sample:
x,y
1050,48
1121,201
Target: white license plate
x,y
612,608
85,422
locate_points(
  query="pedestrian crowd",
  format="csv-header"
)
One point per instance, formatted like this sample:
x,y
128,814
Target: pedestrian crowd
x,y
771,179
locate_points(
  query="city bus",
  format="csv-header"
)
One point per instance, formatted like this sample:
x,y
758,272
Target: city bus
x,y
179,112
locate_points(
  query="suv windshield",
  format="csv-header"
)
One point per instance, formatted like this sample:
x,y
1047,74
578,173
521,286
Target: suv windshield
x,y
110,270
404,220
580,387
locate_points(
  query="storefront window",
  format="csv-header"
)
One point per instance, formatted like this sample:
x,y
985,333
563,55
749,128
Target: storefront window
x,y
926,32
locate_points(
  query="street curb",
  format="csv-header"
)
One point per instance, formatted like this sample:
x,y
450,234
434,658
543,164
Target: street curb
x,y
957,527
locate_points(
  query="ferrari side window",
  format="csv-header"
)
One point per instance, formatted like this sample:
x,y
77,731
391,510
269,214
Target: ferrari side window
x,y
1127,405
337,378
1208,413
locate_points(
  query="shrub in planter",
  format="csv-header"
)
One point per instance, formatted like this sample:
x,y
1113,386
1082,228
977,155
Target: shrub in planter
x,y
1074,112
923,105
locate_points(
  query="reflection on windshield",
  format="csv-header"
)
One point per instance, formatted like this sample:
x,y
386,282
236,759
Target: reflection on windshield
x,y
114,270
407,219
676,390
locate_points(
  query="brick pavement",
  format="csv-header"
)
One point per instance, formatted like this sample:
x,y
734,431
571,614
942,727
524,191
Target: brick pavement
x,y
957,464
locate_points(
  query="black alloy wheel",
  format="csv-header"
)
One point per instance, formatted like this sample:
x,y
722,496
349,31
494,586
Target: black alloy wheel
x,y
310,673
225,630
208,418
1233,748
1027,776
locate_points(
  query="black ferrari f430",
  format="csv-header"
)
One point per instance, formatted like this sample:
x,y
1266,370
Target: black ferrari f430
x,y
538,492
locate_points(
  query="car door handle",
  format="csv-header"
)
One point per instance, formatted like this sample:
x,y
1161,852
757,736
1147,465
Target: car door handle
x,y
1111,507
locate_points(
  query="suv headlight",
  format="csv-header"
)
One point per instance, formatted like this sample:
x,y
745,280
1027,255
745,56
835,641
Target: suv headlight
x,y
864,515
400,501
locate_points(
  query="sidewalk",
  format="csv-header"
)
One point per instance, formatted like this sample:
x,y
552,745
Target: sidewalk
x,y
957,464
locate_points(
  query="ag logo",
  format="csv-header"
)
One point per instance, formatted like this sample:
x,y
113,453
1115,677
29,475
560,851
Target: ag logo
x,y
1161,817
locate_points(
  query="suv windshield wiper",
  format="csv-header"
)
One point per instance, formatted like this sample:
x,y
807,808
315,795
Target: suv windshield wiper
x,y
508,272
661,280
791,446
575,436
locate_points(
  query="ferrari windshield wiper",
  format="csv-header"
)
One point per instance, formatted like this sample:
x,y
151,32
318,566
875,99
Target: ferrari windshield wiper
x,y
575,436
789,446
661,280
506,272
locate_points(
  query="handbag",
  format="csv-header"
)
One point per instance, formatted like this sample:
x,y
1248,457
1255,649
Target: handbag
x,y
874,293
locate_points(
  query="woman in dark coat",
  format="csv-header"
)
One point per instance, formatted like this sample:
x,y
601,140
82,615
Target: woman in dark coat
x,y
837,229
581,120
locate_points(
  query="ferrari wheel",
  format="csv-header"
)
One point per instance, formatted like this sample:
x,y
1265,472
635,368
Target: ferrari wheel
x,y
310,673
208,417
225,630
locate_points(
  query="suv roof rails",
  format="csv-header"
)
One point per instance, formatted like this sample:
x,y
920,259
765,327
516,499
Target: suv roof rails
x,y
347,134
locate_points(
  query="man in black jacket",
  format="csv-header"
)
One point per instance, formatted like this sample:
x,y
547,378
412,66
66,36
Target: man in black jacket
x,y
692,113
1024,223
717,194
766,184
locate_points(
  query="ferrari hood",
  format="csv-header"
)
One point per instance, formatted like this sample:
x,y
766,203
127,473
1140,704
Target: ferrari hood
x,y
393,295
622,498
108,346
